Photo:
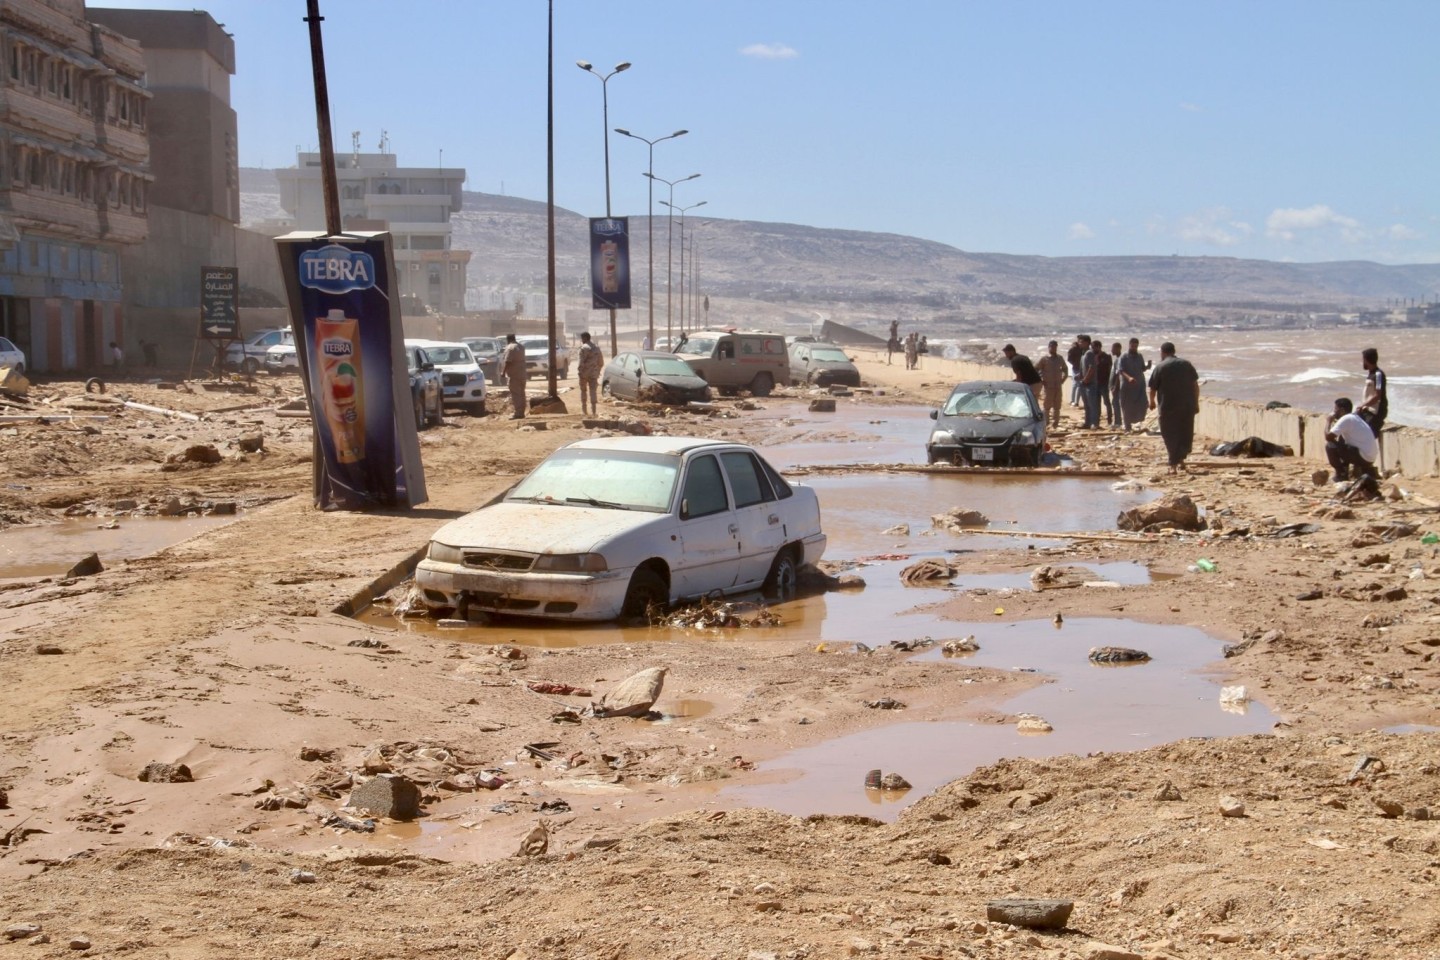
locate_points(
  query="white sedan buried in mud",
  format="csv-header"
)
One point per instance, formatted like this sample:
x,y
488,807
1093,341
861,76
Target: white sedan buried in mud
x,y
604,528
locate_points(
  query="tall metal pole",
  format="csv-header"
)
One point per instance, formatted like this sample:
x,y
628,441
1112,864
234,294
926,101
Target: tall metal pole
x,y
550,189
329,186
605,115
670,249
682,210
650,218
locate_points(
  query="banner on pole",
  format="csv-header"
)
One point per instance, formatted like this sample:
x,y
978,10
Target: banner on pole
x,y
349,341
610,263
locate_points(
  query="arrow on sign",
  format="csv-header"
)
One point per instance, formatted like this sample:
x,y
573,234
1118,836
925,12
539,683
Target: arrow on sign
x,y
214,330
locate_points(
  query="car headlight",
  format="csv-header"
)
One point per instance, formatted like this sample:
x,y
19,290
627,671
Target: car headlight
x,y
571,563
472,377
942,436
1025,438
444,553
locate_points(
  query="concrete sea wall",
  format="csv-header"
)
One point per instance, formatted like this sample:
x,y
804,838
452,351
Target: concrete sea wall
x,y
1413,451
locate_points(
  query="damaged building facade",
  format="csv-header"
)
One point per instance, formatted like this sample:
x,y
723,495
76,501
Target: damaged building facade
x,y
74,179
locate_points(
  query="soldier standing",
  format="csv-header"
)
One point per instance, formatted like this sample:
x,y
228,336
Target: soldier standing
x,y
591,362
512,363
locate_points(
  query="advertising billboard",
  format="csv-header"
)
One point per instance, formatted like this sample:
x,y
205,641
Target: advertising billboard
x,y
610,263
349,341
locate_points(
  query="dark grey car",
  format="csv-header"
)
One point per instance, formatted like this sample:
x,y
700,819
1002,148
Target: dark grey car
x,y
988,422
487,352
653,377
821,365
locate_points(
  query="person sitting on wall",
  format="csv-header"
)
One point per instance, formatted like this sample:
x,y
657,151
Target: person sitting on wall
x,y
1350,445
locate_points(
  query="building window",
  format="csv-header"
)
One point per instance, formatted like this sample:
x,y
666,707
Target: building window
x,y
67,84
35,172
15,49
50,82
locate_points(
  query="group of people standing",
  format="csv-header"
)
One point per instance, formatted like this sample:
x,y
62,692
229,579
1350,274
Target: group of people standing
x,y
1116,381
913,346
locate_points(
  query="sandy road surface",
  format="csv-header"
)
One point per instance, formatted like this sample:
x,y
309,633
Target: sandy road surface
x,y
222,653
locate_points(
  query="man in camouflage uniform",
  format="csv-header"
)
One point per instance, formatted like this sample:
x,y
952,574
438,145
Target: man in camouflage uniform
x,y
512,364
591,362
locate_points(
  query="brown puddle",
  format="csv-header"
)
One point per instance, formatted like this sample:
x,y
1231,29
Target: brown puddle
x,y
1091,708
50,549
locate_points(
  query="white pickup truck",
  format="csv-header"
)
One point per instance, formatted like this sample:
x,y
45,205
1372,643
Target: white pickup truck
x,y
248,356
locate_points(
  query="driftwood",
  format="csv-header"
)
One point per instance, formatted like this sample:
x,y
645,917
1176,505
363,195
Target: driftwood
x,y
162,410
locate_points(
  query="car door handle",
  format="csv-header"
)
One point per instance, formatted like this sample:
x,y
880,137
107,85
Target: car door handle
x,y
734,528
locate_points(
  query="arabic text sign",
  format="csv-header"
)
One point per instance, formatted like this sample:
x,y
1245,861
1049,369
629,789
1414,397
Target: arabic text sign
x,y
219,318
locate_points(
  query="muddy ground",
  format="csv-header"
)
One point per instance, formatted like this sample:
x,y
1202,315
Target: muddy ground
x,y
224,653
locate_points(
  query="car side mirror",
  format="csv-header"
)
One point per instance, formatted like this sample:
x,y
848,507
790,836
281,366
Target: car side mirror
x,y
684,509
427,366
934,414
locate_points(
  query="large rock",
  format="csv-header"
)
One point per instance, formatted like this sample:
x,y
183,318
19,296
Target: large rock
x,y
1035,914
1173,512
387,795
633,696
166,773
956,519
87,567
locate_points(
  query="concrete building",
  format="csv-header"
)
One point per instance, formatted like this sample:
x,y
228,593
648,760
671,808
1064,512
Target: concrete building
x,y
194,201
74,179
413,203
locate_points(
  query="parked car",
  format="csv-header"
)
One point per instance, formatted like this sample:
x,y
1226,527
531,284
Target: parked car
x,y
427,389
248,356
731,360
487,351
464,383
654,377
821,365
11,356
537,356
282,358
614,526
988,422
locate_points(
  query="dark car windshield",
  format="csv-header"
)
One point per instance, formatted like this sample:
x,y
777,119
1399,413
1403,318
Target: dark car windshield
x,y
829,354
667,367
448,355
1003,403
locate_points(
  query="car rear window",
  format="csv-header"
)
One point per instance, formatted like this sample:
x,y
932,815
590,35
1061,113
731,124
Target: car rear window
x,y
747,481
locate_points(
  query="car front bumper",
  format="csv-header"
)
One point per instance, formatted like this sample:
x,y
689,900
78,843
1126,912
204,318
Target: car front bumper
x,y
982,453
556,596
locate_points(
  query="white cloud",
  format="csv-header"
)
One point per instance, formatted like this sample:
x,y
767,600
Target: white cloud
x,y
1286,223
770,51
1192,107
1217,227
1398,231
1079,231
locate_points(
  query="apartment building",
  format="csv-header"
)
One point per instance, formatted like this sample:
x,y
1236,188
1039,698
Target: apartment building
x,y
74,179
413,203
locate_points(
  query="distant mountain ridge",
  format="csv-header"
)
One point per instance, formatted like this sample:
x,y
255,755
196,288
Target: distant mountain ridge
x,y
780,272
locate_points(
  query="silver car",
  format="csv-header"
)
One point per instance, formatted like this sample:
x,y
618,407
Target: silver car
x,y
613,527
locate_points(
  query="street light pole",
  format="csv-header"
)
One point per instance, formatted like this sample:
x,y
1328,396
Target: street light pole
x,y
682,210
669,247
650,215
605,118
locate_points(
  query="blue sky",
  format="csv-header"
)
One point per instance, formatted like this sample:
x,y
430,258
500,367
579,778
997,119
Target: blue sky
x,y
1273,129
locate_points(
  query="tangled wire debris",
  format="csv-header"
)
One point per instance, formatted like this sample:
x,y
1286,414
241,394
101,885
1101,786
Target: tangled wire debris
x,y
709,614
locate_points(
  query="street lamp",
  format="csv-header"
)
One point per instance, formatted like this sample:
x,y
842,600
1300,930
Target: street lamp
x,y
605,118
650,213
669,247
682,210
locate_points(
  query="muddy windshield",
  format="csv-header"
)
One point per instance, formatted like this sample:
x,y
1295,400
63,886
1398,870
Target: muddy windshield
x,y
618,478
829,354
667,367
1001,403
697,346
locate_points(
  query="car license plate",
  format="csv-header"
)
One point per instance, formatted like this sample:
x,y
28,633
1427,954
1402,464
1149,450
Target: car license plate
x,y
982,453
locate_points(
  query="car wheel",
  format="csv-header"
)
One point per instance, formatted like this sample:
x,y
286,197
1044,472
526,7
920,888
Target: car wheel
x,y
762,385
437,416
784,574
647,589
1035,457
20,368
477,409
249,366
605,388
931,456
419,413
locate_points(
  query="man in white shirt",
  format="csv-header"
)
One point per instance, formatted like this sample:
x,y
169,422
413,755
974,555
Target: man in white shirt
x,y
1350,444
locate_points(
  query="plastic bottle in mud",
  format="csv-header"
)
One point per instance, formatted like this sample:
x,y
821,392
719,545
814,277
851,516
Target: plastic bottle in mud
x,y
342,394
